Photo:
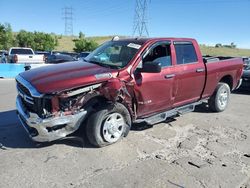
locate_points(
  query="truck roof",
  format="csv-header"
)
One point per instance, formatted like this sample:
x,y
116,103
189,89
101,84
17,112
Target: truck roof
x,y
143,40
20,48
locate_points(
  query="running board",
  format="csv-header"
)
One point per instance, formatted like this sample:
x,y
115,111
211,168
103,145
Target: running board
x,y
186,109
164,115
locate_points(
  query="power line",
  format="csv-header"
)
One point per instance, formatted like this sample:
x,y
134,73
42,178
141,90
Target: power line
x,y
68,20
215,2
140,19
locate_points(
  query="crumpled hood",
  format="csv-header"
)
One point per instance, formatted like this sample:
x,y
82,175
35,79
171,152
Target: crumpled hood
x,y
60,77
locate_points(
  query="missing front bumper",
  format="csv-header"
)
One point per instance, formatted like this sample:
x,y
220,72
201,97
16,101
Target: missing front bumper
x,y
46,130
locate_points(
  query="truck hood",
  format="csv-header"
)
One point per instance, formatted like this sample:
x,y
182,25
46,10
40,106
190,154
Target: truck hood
x,y
60,77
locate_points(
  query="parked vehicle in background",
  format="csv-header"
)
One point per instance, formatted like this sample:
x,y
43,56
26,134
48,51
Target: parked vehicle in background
x,y
82,55
24,55
121,82
72,54
3,52
59,58
45,53
3,56
246,74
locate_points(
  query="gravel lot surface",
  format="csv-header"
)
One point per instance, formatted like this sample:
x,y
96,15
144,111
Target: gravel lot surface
x,y
199,149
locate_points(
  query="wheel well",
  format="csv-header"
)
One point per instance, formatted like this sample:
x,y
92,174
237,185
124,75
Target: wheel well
x,y
96,102
92,105
228,80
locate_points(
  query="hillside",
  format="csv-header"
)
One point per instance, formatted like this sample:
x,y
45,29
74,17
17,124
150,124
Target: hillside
x,y
66,44
208,50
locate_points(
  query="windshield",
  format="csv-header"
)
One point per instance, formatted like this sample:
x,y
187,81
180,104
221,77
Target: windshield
x,y
114,54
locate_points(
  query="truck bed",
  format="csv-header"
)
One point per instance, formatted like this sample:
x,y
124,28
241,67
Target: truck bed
x,y
221,67
209,59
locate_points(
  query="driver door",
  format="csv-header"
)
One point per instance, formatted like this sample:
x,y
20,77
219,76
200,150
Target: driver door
x,y
155,91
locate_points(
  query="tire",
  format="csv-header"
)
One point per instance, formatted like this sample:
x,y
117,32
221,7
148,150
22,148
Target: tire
x,y
219,100
108,125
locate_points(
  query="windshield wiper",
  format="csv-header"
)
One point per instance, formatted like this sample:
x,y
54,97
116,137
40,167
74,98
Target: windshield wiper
x,y
102,64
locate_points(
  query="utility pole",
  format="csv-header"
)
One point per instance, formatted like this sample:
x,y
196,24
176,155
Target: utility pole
x,y
140,18
68,20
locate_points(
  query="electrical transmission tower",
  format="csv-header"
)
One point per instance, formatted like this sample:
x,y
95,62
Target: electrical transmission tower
x,y
68,20
140,19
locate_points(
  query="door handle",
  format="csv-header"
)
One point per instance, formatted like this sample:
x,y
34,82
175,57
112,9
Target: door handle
x,y
168,76
200,70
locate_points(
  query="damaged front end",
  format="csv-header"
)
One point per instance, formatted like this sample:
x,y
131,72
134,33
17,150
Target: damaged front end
x,y
51,117
48,117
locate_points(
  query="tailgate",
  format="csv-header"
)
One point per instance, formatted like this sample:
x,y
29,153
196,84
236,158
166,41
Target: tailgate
x,y
30,59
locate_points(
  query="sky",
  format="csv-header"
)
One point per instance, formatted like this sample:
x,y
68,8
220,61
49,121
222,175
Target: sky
x,y
208,21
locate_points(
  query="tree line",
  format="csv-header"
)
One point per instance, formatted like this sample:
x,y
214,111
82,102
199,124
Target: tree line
x,y
231,45
39,40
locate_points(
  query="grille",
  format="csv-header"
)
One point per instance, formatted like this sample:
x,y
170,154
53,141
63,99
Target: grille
x,y
29,102
23,89
30,107
33,104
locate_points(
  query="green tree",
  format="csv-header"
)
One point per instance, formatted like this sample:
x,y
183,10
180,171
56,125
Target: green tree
x,y
6,36
233,45
44,41
82,44
219,45
36,40
81,35
25,39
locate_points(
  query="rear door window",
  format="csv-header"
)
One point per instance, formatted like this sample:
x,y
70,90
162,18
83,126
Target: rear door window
x,y
185,53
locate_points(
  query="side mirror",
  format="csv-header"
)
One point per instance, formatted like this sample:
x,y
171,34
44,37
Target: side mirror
x,y
150,67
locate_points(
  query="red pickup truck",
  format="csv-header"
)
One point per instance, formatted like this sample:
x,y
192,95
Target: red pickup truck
x,y
122,82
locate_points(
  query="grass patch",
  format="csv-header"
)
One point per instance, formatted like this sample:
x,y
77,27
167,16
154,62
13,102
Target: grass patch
x,y
66,43
208,50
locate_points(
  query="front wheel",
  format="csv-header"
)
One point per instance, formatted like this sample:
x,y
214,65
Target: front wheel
x,y
108,125
219,100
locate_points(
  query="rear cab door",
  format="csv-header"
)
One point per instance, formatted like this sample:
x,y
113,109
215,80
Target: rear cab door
x,y
190,72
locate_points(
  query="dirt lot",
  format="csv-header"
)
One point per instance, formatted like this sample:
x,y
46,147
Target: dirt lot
x,y
199,149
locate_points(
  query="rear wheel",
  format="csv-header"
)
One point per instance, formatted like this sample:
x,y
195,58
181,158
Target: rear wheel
x,y
219,100
108,125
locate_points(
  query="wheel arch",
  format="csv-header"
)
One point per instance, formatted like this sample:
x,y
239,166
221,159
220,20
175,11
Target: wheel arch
x,y
228,79
97,102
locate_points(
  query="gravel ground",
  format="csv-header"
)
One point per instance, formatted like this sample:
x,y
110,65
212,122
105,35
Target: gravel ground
x,y
199,149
